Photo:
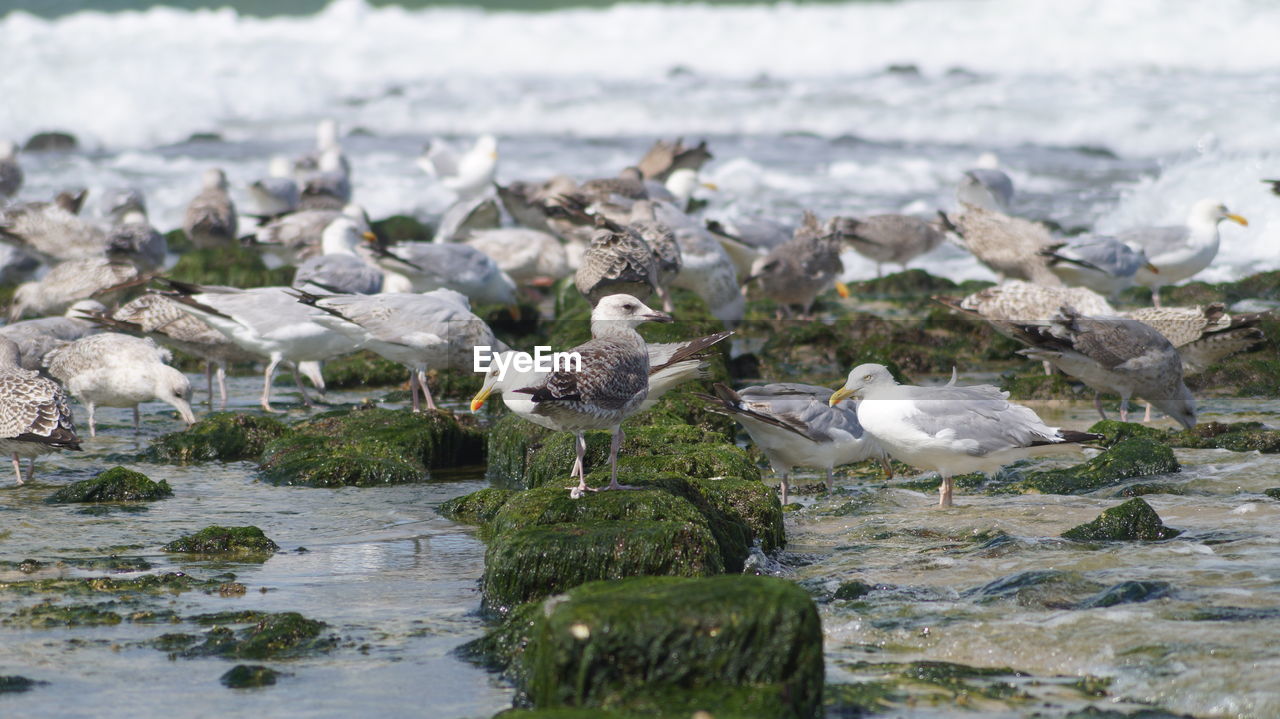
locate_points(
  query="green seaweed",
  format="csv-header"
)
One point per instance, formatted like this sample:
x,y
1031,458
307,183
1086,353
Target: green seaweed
x,y
231,265
222,437
49,614
1133,457
363,369
477,508
1133,520
13,684
168,583
249,676
511,442
113,485
274,636
224,540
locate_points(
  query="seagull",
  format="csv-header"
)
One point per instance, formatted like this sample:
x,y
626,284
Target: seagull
x,y
670,364
163,319
116,202
618,261
1011,246
35,416
429,266
116,370
1116,355
889,238
210,219
662,242
609,386
341,269
292,238
434,329
666,158
1203,335
986,186
527,256
326,139
796,272
952,430
278,193
329,187
706,269
794,425
35,338
466,175
267,322
1103,264
10,170
52,231
1178,252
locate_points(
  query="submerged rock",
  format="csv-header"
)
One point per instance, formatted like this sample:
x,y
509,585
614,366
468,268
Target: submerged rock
x,y
222,437
1047,588
1134,520
531,563
167,583
224,540
277,635
1133,457
478,508
114,485
1130,592
611,644
12,684
371,446
249,676
1235,436
51,141
47,614
854,589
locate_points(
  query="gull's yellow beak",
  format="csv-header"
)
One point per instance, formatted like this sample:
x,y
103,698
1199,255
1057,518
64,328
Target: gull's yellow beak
x,y
843,290
514,311
369,237
841,394
478,401
710,185
1237,219
1151,268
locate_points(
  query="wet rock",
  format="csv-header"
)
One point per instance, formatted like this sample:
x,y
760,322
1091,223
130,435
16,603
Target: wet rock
x,y
1134,457
230,265
1134,520
51,141
1273,493
1130,592
1232,614
12,684
114,485
401,228
222,437
1040,386
861,698
855,589
47,614
1096,713
1142,489
224,540
244,616
249,676
511,443
949,678
371,446
553,505
609,644
168,583
277,635
363,369
478,507
1235,436
1048,588
538,561
1114,431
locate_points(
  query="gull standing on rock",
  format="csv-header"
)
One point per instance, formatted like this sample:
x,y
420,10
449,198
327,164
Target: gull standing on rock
x,y
35,338
952,430
329,187
1011,247
115,370
1178,252
1203,335
618,261
1116,355
341,269
278,193
794,425
610,385
35,417
431,266
210,219
797,271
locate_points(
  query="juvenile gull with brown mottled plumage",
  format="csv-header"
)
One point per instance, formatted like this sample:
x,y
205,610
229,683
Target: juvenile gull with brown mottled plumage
x,y
35,417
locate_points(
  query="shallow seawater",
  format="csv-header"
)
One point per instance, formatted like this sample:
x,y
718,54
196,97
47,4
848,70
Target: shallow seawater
x,y
394,580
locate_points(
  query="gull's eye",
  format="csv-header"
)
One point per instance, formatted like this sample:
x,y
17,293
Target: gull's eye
x,y
629,308
867,378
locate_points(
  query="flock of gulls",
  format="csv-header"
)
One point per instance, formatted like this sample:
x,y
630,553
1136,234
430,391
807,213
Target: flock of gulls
x,y
625,240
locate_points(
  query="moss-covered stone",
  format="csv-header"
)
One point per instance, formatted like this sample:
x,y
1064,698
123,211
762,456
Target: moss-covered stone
x,y
401,228
1044,588
1113,431
222,437
478,507
370,446
13,683
944,681
511,442
1273,492
1134,457
363,369
49,614
1142,489
274,636
535,562
249,676
553,505
168,583
610,644
114,485
853,589
1134,520
224,540
1235,436
1039,386
231,265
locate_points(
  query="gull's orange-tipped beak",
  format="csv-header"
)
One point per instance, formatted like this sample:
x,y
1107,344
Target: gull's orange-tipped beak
x,y
514,311
478,401
369,237
711,186
1237,219
838,395
1151,268
843,290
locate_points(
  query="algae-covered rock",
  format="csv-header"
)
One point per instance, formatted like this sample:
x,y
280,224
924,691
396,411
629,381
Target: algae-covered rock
x,y
1273,492
370,446
363,369
13,683
48,614
167,583
231,265
511,442
1047,588
1134,457
612,644
223,437
1113,431
553,505
1130,592
277,635
249,676
224,540
114,485
534,562
1235,436
478,507
1039,386
1134,520
853,589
